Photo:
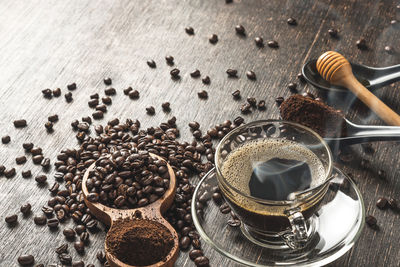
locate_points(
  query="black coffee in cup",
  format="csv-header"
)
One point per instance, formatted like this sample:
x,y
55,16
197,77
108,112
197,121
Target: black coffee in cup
x,y
270,169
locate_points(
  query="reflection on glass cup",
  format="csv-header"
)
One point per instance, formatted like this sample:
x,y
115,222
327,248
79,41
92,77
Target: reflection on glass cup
x,y
274,174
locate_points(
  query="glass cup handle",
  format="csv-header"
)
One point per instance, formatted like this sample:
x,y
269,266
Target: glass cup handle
x,y
297,236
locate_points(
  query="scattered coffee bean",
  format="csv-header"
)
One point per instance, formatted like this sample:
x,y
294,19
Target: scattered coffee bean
x,y
37,159
273,44
252,101
20,123
166,106
245,108
393,204
134,94
27,146
78,264
175,73
238,121
292,87
97,115
68,97
184,243
57,92
251,75
150,110
71,86
388,49
26,208
301,78
47,93
107,81
69,233
6,139
84,237
202,94
279,100
382,203
26,174
26,260
333,32
236,94
213,39
259,41
65,258
261,105
62,249
109,91
151,63
40,179
53,223
40,219
292,21
240,30
53,118
206,80
195,74
12,219
2,169
101,257
189,30
49,126
231,73
79,246
9,173
195,253
194,125
202,261
361,44
371,221
169,60
127,90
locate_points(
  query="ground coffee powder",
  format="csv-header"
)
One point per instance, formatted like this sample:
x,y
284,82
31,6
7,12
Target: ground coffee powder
x,y
139,242
325,120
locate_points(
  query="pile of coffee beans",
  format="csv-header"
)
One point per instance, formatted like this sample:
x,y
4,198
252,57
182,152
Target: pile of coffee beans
x,y
127,179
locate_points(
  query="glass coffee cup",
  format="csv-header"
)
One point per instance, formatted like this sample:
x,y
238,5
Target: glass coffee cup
x,y
274,174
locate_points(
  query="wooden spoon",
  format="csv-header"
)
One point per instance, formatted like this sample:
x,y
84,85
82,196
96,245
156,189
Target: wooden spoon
x,y
150,212
334,68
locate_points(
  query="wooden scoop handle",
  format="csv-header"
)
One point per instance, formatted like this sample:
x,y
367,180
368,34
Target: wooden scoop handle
x,y
334,68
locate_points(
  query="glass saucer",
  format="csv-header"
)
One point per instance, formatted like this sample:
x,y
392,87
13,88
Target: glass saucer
x,y
337,225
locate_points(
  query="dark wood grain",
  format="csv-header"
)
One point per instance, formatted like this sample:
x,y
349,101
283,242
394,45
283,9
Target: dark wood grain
x,y
49,44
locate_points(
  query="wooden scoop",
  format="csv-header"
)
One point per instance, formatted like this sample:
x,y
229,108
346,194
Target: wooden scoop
x,y
334,68
152,211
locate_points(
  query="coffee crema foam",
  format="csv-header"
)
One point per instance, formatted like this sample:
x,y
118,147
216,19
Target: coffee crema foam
x,y
238,166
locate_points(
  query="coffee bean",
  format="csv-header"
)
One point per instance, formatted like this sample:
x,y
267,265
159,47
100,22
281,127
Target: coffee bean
x,y
291,21
202,94
78,264
57,92
109,91
71,86
393,204
206,80
53,223
382,203
84,237
194,125
45,163
40,179
93,103
175,73
134,94
20,123
245,108
189,30
279,100
101,257
202,261
261,105
388,49
97,115
47,93
169,60
238,121
80,229
27,146
49,126
224,208
9,173
259,41
26,174
12,219
213,39
251,75
184,243
195,253
68,97
236,94
151,63
166,106
371,221
292,87
333,32
69,233
39,265
26,260
26,209
150,110
195,74
231,73
107,81
40,219
6,139
20,160
273,44
79,246
127,90
233,222
252,101
240,30
301,77
65,258
62,249
2,169
54,188
362,44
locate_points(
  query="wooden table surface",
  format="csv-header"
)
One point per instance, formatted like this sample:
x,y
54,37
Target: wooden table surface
x,y
49,44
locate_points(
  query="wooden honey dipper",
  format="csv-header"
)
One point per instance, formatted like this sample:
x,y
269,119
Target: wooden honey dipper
x,y
335,68
152,212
